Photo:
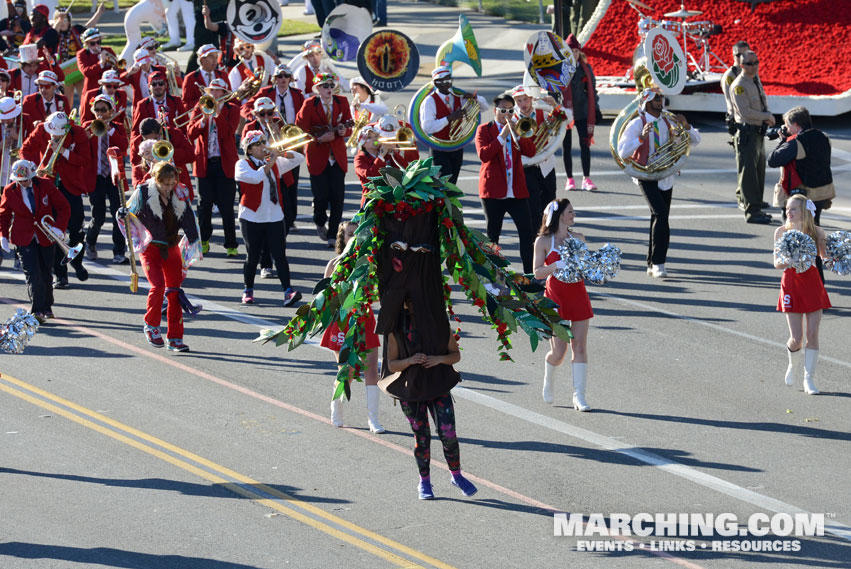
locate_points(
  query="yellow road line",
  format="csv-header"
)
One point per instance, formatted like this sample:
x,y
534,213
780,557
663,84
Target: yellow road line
x,y
218,474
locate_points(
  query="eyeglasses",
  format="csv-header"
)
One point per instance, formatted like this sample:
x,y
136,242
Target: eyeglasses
x,y
503,111
100,110
264,113
751,63
157,83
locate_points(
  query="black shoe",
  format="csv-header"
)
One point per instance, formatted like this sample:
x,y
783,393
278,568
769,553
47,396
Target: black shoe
x,y
81,272
765,205
61,283
760,218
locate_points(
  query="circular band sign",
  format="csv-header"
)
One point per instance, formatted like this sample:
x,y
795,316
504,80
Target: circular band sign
x,y
388,60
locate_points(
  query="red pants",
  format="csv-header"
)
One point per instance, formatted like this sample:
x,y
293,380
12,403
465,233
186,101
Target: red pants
x,y
162,274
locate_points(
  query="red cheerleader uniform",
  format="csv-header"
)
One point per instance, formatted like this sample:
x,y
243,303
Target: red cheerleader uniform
x,y
333,337
572,298
802,292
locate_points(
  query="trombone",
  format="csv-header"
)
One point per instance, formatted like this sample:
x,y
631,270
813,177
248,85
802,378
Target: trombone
x,y
208,105
162,151
294,138
45,224
404,139
46,169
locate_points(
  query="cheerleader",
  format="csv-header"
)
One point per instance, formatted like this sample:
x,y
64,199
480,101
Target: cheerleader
x,y
802,294
572,299
333,340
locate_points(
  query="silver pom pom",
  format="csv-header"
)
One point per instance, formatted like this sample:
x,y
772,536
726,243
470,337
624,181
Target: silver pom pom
x,y
603,264
796,249
574,253
17,331
838,251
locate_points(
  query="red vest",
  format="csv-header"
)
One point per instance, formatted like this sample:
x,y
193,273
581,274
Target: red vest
x,y
642,153
252,194
443,111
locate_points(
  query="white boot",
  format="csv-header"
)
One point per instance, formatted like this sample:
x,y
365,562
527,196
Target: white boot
x,y
810,359
373,394
794,365
337,411
580,375
549,378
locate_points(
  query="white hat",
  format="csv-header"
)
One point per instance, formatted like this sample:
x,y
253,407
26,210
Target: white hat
x,y
519,90
360,81
218,83
207,49
252,137
103,98
281,69
146,149
47,76
9,109
365,131
441,72
28,53
141,56
264,104
388,124
22,170
57,123
110,76
311,46
149,43
649,94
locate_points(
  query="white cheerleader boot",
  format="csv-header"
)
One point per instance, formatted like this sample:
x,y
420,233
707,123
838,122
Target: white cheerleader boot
x,y
580,375
549,379
337,411
810,359
794,365
373,394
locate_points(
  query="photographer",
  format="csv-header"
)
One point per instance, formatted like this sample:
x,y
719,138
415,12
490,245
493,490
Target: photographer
x,y
804,155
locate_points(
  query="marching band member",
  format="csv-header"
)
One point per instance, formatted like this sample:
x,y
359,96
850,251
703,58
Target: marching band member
x,y
183,157
215,159
540,178
305,75
375,155
641,136
439,110
9,113
92,61
73,178
24,203
328,116
5,81
41,33
150,107
227,59
164,209
249,62
105,190
39,105
110,84
24,78
139,74
198,80
502,184
365,100
261,214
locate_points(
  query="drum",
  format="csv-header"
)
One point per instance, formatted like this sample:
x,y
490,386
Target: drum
x,y
675,28
645,25
699,28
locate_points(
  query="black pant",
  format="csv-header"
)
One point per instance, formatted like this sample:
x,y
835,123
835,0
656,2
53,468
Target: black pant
x,y
37,262
105,191
264,236
217,189
75,234
660,232
542,190
518,209
329,190
291,199
449,162
581,129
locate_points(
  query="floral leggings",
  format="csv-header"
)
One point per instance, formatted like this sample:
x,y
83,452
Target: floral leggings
x,y
443,413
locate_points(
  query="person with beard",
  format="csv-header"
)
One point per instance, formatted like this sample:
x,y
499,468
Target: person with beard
x,y
41,33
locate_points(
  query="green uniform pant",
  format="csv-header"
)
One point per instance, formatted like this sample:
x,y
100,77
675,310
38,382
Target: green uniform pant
x,y
750,165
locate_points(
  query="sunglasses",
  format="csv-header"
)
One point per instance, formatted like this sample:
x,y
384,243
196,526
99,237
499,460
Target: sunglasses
x,y
326,86
157,83
110,86
503,111
286,75
94,42
264,113
100,110
751,63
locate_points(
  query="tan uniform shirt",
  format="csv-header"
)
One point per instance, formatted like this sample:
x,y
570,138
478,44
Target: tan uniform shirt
x,y
727,80
749,103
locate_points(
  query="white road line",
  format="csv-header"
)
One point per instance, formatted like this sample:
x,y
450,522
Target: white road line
x,y
686,472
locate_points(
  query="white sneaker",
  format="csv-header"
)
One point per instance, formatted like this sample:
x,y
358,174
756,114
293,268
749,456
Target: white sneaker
x,y
91,253
187,47
265,273
658,271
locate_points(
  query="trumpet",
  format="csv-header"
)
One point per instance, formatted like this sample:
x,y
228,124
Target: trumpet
x,y
404,139
112,61
46,169
99,128
521,128
45,224
162,151
294,138
462,127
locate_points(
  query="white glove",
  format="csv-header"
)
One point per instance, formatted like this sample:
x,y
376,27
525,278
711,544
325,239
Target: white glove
x,y
4,244
560,264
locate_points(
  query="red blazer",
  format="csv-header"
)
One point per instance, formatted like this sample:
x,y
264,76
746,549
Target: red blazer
x,y
33,109
76,173
250,195
15,84
492,180
271,91
85,102
312,114
226,122
145,108
117,139
133,81
193,86
184,156
89,65
48,201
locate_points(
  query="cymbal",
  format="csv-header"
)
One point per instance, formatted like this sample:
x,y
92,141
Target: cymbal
x,y
683,13
640,4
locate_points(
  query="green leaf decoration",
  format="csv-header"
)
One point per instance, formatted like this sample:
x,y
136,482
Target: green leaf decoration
x,y
321,285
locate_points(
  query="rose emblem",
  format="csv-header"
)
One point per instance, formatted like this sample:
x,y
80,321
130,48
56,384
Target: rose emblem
x,y
663,54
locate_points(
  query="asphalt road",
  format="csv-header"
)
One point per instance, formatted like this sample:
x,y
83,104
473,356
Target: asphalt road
x,y
114,454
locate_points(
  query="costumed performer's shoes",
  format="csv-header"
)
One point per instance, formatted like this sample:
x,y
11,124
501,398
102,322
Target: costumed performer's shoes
x,y
794,365
570,185
467,488
337,412
424,490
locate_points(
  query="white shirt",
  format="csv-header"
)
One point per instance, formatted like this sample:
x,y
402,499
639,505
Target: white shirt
x,y
301,77
549,164
28,86
509,171
629,142
267,212
143,83
291,111
235,77
428,112
378,109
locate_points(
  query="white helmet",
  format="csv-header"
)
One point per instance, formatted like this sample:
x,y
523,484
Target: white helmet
x,y
57,123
